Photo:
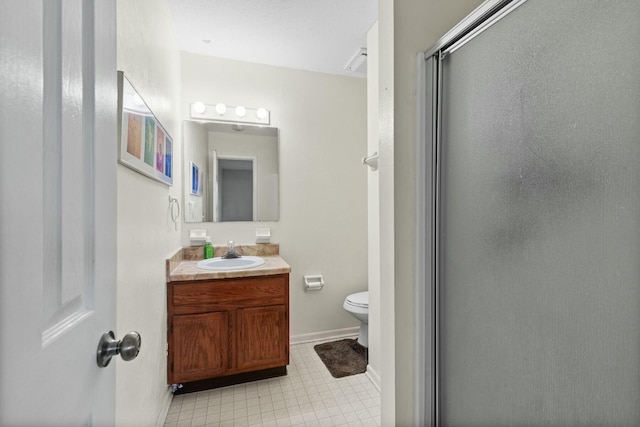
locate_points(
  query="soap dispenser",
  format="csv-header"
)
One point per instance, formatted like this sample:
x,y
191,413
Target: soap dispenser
x,y
208,248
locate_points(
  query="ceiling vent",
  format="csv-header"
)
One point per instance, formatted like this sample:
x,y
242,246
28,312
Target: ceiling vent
x,y
358,64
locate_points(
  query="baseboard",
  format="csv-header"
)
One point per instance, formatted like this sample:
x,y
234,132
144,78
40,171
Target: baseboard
x,y
164,410
373,376
325,335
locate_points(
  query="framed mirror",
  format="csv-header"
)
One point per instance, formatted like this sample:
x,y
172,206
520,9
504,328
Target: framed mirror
x,y
231,172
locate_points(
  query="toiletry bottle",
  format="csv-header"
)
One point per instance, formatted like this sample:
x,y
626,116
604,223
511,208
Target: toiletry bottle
x,y
208,249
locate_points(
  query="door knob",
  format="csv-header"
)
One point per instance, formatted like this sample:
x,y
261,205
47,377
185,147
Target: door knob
x,y
128,347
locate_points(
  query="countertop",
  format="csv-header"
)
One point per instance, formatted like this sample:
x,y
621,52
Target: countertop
x,y
187,270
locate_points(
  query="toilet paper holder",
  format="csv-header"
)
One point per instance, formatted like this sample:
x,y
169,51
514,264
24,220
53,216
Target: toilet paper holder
x,y
313,283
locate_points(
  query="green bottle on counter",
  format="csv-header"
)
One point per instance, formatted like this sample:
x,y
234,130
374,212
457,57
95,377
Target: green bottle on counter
x,y
208,249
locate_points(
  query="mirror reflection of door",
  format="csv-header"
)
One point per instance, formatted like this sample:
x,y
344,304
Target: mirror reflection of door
x,y
214,204
205,142
236,198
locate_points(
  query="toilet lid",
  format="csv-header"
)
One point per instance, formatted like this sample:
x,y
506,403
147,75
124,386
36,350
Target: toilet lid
x,y
360,299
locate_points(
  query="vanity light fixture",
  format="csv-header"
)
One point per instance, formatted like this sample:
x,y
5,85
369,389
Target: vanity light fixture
x,y
223,113
261,113
241,111
199,107
221,109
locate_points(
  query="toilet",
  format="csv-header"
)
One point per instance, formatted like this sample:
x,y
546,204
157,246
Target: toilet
x,y
358,305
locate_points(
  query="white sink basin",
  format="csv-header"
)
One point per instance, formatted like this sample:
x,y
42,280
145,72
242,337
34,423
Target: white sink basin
x,y
222,264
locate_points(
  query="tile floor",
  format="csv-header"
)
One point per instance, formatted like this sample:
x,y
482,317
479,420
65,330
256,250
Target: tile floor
x,y
307,396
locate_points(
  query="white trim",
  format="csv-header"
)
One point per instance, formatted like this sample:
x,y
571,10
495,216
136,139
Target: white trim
x,y
255,188
164,409
373,377
333,334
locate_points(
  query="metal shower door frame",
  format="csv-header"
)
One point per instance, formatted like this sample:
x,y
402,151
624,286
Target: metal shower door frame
x,y
428,149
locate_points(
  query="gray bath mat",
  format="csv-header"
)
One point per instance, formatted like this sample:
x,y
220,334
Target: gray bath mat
x,y
343,358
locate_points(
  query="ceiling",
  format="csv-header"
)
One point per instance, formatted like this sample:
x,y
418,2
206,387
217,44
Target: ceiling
x,y
313,35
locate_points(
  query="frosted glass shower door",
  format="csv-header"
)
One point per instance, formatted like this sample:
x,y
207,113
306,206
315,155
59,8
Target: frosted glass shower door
x,y
539,219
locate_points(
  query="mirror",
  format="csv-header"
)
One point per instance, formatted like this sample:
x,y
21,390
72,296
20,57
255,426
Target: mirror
x,y
231,172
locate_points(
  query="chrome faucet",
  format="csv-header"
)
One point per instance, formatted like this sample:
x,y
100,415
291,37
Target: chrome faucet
x,y
231,250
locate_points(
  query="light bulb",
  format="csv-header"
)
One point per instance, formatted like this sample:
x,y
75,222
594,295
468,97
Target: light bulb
x,y
221,109
261,113
199,107
241,111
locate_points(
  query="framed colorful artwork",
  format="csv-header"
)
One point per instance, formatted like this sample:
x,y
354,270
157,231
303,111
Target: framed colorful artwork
x,y
144,145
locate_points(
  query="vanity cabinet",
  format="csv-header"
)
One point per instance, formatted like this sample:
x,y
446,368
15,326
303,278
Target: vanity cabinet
x,y
228,326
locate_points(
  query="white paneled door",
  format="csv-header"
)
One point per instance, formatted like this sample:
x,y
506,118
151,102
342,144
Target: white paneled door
x,y
57,210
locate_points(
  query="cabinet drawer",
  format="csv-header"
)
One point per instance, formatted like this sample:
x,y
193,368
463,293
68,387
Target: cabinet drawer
x,y
268,289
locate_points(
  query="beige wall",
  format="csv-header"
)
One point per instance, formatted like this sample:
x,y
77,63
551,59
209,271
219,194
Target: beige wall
x,y
323,185
148,54
417,24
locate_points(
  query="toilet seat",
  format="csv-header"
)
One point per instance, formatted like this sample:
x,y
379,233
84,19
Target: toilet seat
x,y
360,299
358,306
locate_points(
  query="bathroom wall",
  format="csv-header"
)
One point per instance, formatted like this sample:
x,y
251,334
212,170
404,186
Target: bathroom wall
x,y
417,24
149,56
323,185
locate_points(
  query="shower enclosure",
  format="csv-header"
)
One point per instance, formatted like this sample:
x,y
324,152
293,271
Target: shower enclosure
x,y
532,217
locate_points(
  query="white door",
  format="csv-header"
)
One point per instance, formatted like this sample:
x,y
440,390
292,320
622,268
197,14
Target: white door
x,y
57,210
216,190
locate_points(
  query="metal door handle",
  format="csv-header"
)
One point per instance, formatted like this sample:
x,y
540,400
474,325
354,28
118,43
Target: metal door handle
x,y
128,347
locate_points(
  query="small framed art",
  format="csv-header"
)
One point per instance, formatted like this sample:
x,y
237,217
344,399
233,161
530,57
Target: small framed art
x,y
196,179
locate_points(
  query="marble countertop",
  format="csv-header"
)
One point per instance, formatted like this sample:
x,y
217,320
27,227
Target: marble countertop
x,y
187,270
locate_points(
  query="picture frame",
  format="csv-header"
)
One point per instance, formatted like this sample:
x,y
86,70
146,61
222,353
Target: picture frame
x,y
144,145
195,179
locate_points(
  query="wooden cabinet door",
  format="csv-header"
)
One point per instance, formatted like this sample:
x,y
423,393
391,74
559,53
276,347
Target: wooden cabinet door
x,y
200,346
263,337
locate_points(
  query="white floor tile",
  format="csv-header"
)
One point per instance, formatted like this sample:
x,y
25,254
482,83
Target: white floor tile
x,y
308,396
